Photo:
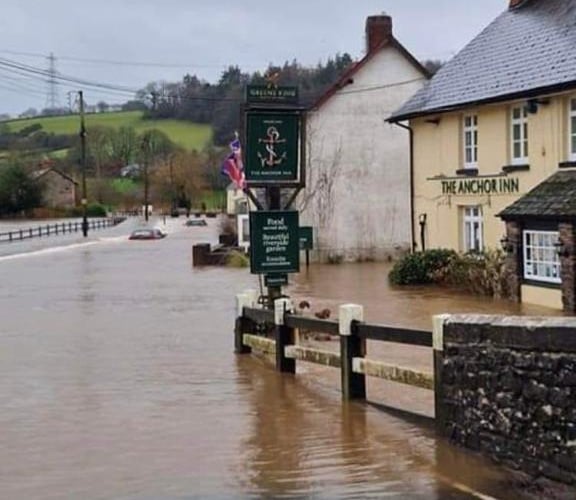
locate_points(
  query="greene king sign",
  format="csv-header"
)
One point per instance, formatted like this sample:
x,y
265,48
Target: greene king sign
x,y
271,94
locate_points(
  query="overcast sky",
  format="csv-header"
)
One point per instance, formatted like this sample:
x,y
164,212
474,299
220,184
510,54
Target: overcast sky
x,y
202,37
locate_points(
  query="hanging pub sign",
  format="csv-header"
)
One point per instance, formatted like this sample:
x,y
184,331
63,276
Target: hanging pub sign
x,y
271,94
274,242
272,148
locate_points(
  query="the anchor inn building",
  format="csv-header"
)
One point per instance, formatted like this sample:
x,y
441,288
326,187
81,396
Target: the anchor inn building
x,y
494,149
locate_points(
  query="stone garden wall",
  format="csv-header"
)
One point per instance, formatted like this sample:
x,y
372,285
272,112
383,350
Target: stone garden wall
x,y
509,391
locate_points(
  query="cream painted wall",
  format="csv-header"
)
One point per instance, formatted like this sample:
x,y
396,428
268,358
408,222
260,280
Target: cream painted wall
x,y
439,152
357,196
546,297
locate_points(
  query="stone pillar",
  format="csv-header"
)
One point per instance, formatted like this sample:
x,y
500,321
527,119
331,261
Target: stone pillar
x,y
514,259
568,265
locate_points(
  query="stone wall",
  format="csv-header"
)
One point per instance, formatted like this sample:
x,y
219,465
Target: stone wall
x,y
513,266
568,265
509,391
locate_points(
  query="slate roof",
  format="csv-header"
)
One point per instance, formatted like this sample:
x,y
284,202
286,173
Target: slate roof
x,y
41,173
524,52
554,198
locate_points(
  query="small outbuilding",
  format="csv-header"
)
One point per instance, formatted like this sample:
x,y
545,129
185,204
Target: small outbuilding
x,y
59,188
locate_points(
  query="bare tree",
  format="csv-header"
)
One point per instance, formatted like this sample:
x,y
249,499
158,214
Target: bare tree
x,y
323,172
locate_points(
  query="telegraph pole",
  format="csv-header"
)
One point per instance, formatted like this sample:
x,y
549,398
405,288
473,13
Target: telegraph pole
x,y
83,165
145,150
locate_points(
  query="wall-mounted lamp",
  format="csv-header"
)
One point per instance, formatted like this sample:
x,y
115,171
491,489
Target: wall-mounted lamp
x,y
532,105
506,244
422,222
561,249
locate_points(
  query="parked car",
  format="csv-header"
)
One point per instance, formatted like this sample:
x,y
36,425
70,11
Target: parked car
x,y
196,222
147,234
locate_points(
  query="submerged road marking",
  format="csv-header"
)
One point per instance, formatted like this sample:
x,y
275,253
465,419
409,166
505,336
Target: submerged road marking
x,y
465,489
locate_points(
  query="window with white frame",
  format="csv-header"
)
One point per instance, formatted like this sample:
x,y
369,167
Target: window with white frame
x,y
470,129
572,130
473,229
541,262
519,134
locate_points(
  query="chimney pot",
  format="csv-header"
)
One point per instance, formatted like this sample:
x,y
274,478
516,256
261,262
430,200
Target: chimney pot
x,y
515,4
378,31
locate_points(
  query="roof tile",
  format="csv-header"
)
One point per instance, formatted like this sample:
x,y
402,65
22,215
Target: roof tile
x,y
521,50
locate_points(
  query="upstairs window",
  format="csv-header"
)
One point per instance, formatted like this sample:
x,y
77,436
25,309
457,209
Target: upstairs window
x,y
519,134
470,129
572,130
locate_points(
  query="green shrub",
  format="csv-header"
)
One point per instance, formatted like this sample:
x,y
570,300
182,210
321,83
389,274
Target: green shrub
x,y
96,210
237,259
421,268
481,273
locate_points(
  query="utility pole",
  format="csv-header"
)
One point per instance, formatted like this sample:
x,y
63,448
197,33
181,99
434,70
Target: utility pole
x,y
83,165
146,150
274,203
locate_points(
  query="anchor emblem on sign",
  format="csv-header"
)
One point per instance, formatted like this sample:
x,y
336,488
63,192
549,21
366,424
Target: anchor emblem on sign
x,y
272,158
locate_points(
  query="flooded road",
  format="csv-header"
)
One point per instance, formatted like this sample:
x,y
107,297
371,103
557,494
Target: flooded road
x,y
118,381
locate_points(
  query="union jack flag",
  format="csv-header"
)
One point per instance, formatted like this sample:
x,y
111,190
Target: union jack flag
x,y
233,166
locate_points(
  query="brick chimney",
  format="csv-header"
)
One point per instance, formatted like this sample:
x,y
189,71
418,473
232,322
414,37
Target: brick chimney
x,y
515,4
378,31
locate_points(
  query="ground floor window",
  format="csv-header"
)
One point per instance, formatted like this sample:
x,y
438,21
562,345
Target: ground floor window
x,y
541,262
473,229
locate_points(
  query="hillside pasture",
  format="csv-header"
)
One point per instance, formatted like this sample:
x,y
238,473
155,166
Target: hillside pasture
x,y
188,135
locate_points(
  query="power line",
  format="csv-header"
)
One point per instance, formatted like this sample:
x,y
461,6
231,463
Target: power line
x,y
24,83
19,90
107,88
112,62
24,69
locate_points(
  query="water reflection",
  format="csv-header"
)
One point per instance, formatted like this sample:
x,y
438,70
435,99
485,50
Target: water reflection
x,y
304,441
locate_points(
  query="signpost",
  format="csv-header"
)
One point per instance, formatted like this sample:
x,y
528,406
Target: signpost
x,y
274,242
306,241
274,159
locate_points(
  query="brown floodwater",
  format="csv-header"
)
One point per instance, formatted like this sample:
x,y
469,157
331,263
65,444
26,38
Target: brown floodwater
x,y
118,381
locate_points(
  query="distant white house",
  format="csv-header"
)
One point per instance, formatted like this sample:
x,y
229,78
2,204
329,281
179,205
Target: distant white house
x,y
237,202
357,196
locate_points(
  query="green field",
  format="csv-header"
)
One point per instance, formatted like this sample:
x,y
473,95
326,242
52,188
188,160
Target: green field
x,y
186,134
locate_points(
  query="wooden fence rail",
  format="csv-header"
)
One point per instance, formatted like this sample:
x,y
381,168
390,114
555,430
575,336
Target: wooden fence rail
x,y
57,229
273,332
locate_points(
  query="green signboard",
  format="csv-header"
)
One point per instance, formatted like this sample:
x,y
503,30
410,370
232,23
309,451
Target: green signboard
x,y
272,148
274,242
306,238
275,279
271,94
